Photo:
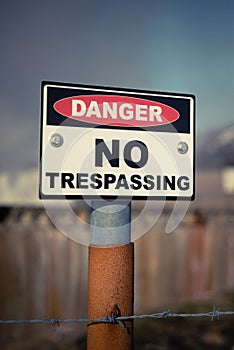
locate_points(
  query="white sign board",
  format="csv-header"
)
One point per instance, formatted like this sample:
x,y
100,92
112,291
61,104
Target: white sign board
x,y
111,142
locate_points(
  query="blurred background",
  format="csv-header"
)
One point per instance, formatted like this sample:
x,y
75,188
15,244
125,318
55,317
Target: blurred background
x,y
175,46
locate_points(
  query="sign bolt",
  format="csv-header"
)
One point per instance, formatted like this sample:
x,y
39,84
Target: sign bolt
x,y
56,140
182,147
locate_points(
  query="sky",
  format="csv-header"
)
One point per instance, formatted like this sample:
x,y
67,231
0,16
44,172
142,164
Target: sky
x,y
177,46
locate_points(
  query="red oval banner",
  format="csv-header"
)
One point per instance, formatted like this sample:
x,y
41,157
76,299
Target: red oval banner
x,y
116,110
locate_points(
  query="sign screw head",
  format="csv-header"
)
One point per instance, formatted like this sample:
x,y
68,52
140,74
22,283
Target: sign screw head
x,y
56,140
182,147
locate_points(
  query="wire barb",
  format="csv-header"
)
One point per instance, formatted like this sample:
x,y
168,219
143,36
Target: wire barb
x,y
215,313
54,322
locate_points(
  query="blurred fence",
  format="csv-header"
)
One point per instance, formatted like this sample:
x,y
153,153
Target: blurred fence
x,y
44,274
192,262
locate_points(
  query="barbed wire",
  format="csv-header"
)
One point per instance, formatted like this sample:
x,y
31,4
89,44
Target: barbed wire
x,y
215,313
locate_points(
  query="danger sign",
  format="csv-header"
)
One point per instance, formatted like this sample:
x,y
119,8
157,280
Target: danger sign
x,y
108,142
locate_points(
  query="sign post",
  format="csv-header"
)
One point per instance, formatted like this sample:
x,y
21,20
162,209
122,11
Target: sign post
x,y
113,146
110,279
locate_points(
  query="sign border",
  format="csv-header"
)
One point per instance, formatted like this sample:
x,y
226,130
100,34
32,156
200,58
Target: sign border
x,y
107,197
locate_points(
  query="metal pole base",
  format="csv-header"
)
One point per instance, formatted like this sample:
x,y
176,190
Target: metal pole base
x,y
110,288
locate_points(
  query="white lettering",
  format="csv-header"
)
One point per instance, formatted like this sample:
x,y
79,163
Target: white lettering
x,y
141,110
93,110
82,107
155,113
126,111
110,110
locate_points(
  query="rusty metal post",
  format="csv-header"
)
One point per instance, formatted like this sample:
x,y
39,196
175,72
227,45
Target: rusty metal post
x,y
111,275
